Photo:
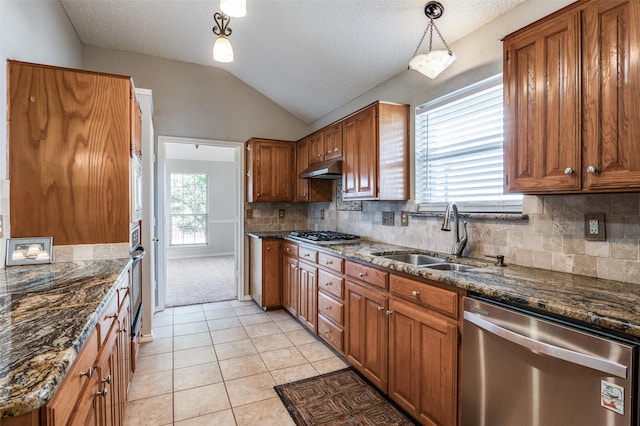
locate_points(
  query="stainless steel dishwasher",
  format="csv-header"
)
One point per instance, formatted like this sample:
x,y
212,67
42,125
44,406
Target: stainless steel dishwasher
x,y
521,368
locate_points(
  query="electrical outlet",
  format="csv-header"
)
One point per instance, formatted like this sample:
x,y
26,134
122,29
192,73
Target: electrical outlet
x,y
281,213
249,213
594,226
322,214
388,218
404,218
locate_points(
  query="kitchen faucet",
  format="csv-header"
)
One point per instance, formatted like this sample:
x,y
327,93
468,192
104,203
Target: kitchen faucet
x,y
458,243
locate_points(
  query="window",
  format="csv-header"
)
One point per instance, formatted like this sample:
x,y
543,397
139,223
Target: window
x,y
459,140
188,209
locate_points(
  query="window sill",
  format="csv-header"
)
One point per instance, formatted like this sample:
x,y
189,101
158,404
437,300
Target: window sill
x,y
478,216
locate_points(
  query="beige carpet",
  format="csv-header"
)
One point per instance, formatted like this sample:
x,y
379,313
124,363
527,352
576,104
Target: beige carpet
x,y
200,280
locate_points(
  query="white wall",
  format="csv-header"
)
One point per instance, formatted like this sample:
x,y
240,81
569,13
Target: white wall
x,y
222,205
195,101
30,31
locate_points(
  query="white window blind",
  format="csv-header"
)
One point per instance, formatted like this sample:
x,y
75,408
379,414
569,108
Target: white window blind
x,y
459,144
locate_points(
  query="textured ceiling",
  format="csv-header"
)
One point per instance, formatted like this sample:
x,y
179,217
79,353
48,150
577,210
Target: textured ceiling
x,y
308,56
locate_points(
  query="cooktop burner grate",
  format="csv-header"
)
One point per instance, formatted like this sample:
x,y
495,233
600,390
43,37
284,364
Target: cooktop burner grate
x,y
322,236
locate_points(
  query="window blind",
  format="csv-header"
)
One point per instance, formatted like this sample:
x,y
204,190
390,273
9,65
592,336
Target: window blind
x,y
459,151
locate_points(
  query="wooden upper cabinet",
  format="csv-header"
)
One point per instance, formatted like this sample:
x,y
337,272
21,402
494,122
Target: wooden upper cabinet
x,y
332,137
611,93
542,106
69,152
313,190
571,101
270,170
316,147
376,153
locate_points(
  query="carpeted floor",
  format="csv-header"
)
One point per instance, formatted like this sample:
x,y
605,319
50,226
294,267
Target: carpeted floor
x,y
200,280
339,398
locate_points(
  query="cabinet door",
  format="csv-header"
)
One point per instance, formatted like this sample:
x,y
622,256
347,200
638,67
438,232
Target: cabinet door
x,y
265,271
272,170
333,141
290,285
90,410
308,296
58,117
135,126
302,162
367,332
360,166
611,79
124,346
316,148
542,107
423,364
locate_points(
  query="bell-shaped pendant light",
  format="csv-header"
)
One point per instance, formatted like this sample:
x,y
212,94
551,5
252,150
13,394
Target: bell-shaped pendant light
x,y
222,50
234,8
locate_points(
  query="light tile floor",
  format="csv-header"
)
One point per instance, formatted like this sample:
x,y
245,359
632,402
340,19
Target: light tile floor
x,y
217,364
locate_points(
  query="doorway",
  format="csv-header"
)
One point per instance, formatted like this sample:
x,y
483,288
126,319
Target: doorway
x,y
200,227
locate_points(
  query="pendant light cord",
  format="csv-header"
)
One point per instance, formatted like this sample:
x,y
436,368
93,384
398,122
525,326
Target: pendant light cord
x,y
430,26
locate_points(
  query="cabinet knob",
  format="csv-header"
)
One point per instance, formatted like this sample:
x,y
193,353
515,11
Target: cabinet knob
x,y
104,392
268,248
362,274
304,195
329,262
88,373
288,249
107,379
327,308
293,266
380,309
389,313
114,316
591,169
258,194
327,331
307,255
568,171
415,293
327,284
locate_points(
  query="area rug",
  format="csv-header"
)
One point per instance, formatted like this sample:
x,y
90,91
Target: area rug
x,y
200,280
342,397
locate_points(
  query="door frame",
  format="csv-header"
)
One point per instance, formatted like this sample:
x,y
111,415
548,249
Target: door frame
x,y
161,200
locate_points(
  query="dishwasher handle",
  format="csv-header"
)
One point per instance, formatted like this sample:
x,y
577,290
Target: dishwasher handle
x,y
536,346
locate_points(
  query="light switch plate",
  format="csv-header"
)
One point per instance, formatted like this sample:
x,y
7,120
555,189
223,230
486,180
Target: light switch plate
x,y
404,218
281,213
388,218
322,214
594,227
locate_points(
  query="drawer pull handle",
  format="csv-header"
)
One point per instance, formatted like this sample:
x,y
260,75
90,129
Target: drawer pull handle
x,y
114,316
88,373
415,293
326,308
380,309
104,392
328,284
329,262
124,287
307,255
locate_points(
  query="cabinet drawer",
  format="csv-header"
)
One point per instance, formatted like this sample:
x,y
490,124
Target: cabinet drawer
x,y
331,284
59,409
308,254
435,298
290,249
368,274
331,262
107,318
331,333
331,308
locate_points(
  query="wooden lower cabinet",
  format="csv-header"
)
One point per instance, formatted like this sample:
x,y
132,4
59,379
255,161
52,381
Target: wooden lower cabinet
x,y
308,295
367,332
423,363
265,271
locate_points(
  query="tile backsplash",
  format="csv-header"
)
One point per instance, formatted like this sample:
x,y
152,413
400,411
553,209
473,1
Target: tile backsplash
x,y
552,238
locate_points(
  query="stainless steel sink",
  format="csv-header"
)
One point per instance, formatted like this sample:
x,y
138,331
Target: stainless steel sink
x,y
414,258
450,267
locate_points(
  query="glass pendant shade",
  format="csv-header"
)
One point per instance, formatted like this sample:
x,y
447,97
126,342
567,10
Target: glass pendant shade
x,y
222,50
433,63
234,8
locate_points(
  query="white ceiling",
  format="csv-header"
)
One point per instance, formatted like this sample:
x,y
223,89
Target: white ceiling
x,y
308,56
199,152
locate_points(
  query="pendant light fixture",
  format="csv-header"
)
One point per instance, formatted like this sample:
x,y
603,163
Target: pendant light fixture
x,y
222,49
234,8
433,62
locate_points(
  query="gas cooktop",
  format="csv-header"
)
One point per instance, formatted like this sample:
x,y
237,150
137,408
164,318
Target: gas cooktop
x,y
323,237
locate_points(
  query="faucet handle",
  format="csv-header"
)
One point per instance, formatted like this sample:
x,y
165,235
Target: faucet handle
x,y
499,258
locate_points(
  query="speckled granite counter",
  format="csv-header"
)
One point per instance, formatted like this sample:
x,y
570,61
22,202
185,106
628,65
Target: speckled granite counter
x,y
604,303
46,314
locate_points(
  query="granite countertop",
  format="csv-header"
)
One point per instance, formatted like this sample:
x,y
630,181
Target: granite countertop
x,y
603,303
47,312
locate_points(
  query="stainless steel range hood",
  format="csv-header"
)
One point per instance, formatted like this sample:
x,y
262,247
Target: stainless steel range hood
x,y
328,170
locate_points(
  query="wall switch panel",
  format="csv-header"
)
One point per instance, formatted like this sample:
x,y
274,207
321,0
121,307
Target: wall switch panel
x,y
281,213
594,226
322,214
404,218
388,218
